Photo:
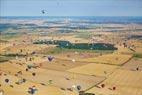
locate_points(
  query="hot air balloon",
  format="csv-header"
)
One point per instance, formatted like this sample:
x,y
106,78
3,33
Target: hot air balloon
x,y
50,58
78,87
33,74
6,80
43,12
32,90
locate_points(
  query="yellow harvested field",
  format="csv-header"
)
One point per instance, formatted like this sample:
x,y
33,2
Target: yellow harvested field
x,y
60,79
61,65
31,60
3,46
138,50
126,82
133,64
122,50
23,88
26,48
100,91
71,38
116,59
137,45
94,69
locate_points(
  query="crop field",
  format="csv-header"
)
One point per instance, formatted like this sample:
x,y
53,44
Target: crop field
x,y
70,57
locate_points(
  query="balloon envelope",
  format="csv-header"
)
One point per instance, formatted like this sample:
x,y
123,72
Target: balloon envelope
x,y
50,58
6,80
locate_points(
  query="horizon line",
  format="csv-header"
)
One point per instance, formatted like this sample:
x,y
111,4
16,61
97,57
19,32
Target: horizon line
x,y
66,16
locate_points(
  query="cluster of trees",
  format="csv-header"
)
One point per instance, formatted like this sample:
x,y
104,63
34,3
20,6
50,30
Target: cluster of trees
x,y
87,46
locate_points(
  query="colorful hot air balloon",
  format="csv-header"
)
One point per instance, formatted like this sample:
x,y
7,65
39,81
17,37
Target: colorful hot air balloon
x,y
6,80
32,90
50,58
78,87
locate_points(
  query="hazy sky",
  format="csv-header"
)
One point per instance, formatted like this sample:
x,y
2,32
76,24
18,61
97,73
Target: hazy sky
x,y
71,7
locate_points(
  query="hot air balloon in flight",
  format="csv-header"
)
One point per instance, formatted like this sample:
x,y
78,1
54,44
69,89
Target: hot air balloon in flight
x,y
50,58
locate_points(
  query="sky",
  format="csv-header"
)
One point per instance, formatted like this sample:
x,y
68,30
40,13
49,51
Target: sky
x,y
71,7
